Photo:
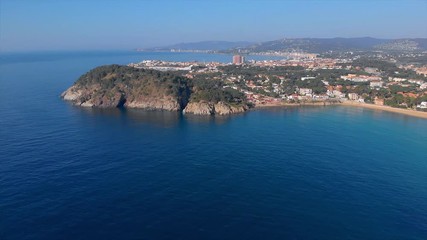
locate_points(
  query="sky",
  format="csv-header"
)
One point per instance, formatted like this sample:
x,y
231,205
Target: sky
x,y
38,25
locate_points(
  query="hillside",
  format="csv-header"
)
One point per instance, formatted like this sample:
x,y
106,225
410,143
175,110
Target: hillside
x,y
321,45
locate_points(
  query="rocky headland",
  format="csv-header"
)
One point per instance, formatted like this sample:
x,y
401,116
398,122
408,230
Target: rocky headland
x,y
114,86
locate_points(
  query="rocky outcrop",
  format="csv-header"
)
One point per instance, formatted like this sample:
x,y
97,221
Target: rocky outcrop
x,y
220,108
200,108
72,94
91,97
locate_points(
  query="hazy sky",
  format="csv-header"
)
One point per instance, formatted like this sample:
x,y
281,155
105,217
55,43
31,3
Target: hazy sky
x,y
123,24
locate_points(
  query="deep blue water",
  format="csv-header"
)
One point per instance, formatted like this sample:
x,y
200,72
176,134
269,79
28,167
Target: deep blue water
x,y
280,173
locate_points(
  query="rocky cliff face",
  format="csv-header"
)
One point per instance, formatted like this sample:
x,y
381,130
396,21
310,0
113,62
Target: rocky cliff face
x,y
222,108
200,108
206,108
91,98
155,104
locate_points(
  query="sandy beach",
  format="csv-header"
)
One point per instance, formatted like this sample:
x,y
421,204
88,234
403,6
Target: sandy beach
x,y
388,109
408,112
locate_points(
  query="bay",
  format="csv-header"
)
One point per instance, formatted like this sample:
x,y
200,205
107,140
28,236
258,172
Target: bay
x,y
279,173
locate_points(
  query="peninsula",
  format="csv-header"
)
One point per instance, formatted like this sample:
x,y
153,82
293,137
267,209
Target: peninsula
x,y
124,86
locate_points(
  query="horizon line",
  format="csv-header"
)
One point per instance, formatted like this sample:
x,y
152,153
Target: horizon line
x,y
3,51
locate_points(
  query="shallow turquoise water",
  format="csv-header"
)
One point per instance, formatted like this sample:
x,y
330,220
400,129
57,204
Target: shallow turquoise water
x,y
280,173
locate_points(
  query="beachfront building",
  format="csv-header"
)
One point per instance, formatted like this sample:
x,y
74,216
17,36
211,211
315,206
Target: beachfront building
x,y
422,105
335,94
353,96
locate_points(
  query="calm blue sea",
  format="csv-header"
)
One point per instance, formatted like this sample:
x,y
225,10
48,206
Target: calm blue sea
x,y
279,173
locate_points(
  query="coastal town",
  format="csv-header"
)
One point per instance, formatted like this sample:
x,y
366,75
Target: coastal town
x,y
307,78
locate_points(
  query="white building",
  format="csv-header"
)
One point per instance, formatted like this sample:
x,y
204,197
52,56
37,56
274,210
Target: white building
x,y
376,84
422,105
307,78
305,91
335,94
397,79
353,96
419,82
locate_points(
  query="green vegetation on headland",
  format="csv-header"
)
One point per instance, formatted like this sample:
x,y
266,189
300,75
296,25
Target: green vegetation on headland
x,y
113,76
124,86
206,89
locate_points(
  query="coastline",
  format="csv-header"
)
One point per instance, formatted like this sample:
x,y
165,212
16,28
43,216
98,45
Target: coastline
x,y
407,112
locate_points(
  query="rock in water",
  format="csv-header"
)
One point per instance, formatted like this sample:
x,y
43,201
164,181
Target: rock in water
x,y
200,108
222,108
207,108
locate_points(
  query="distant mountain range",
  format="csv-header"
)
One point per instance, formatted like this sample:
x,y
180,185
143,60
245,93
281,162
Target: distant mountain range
x,y
313,45
204,46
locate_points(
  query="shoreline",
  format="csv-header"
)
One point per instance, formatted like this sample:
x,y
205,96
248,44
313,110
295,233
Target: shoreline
x,y
407,112
284,104
320,104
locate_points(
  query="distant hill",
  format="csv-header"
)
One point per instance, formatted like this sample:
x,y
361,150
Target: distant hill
x,y
313,45
404,45
319,45
204,46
